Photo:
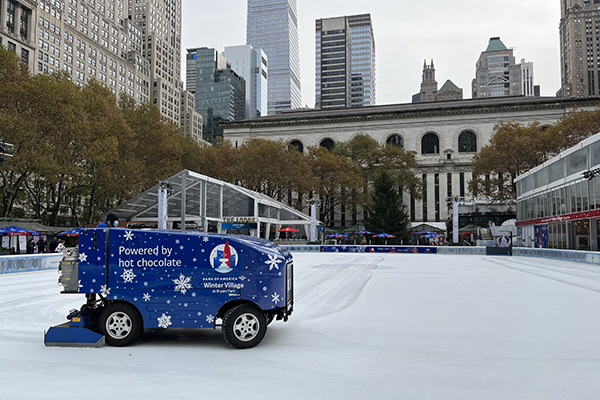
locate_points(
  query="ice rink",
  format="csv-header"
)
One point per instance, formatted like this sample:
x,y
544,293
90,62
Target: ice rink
x,y
365,326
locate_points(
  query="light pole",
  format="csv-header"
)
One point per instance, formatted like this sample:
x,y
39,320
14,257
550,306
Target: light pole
x,y
454,201
314,203
164,189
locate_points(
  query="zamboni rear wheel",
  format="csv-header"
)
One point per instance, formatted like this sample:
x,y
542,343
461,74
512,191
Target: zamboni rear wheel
x,y
120,324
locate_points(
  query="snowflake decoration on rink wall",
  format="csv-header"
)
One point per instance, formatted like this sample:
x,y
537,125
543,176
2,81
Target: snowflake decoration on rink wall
x,y
83,257
164,321
147,297
210,319
273,262
128,275
104,290
276,298
128,235
182,284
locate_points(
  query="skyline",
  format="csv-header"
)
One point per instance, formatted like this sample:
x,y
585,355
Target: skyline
x,y
460,32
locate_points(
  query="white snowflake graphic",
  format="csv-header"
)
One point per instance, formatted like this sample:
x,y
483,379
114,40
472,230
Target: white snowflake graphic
x,y
147,297
164,321
273,262
83,257
79,285
128,275
182,283
128,235
104,290
205,238
210,319
276,298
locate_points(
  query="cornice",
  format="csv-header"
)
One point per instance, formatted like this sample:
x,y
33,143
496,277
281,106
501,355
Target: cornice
x,y
406,111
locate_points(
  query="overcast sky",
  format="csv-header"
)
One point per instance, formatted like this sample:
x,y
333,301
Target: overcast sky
x,y
453,33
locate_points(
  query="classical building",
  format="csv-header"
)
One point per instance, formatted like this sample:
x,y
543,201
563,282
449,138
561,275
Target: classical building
x,y
497,74
252,65
132,48
344,62
272,25
443,137
220,92
579,42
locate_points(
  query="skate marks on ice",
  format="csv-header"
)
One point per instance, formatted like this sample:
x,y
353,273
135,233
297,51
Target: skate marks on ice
x,y
333,286
585,276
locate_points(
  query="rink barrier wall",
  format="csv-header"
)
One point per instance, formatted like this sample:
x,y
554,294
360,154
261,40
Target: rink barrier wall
x,y
362,249
29,262
566,255
588,257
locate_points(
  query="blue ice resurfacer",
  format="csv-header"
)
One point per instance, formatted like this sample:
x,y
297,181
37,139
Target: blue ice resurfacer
x,y
136,279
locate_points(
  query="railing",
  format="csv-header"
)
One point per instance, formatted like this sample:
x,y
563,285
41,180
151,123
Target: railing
x,y
29,262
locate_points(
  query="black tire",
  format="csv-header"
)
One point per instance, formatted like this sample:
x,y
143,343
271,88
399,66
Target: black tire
x,y
244,326
120,324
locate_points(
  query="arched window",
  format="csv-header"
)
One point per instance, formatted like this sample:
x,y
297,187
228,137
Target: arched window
x,y
296,145
467,142
430,144
327,143
395,140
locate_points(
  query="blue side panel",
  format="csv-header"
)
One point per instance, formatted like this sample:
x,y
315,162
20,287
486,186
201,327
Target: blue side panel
x,y
92,261
182,279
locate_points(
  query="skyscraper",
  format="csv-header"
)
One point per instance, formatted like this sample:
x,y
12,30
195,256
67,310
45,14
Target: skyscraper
x,y
220,92
497,74
272,25
579,44
252,65
344,62
132,47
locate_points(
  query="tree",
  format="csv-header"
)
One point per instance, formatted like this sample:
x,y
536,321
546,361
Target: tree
x,y
336,178
386,211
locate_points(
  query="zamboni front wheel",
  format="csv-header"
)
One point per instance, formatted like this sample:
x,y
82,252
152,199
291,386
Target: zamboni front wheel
x,y
120,324
244,326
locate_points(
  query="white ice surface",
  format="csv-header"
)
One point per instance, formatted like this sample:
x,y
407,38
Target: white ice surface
x,y
365,326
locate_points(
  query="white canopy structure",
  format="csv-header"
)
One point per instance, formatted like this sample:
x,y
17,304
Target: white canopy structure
x,y
198,202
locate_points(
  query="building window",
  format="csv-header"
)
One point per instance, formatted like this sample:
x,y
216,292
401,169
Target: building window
x,y
327,143
424,197
395,140
10,16
25,56
24,26
467,142
296,145
12,47
430,144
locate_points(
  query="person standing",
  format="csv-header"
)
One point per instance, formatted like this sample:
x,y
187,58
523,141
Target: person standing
x,y
30,246
111,221
61,246
41,245
53,245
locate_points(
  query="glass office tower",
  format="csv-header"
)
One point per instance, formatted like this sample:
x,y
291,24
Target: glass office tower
x,y
345,62
272,25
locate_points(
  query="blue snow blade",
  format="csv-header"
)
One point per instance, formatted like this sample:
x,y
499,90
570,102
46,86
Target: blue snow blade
x,y
65,335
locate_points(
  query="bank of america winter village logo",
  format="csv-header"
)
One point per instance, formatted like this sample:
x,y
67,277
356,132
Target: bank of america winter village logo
x,y
223,258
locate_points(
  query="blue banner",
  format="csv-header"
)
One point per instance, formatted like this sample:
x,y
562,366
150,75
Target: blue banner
x,y
236,225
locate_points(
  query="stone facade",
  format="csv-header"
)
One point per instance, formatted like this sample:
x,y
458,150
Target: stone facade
x,y
444,137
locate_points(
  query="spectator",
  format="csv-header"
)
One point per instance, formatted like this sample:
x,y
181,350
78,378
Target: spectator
x,y
30,246
53,245
61,246
111,221
41,245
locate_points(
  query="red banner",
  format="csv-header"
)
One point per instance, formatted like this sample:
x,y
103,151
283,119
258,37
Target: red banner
x,y
561,218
